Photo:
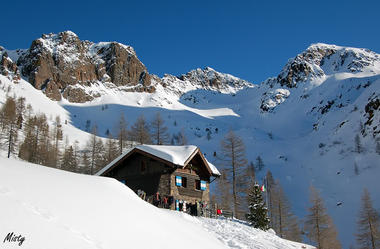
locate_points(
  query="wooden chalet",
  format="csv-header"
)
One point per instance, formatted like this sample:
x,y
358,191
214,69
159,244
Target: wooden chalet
x,y
179,173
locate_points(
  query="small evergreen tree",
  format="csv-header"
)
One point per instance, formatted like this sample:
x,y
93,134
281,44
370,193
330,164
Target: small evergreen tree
x,y
259,163
258,213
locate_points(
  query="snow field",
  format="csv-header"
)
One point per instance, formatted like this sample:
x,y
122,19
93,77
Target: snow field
x,y
51,208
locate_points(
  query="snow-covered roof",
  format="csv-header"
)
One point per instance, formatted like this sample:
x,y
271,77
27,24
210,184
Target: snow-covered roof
x,y
174,154
214,170
177,155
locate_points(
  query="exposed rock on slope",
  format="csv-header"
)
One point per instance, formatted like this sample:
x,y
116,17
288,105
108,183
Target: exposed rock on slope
x,y
56,61
206,79
61,65
313,66
7,66
323,59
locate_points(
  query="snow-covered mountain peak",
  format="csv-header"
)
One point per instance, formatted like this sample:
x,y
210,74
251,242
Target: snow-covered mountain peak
x,y
215,80
63,66
320,63
204,79
320,60
65,36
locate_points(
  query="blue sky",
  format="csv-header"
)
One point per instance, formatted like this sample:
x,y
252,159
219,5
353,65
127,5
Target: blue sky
x,y
249,39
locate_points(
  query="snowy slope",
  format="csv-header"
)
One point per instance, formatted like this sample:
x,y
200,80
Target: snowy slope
x,y
55,209
302,123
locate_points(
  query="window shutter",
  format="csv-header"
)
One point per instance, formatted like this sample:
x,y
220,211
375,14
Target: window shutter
x,y
178,181
203,185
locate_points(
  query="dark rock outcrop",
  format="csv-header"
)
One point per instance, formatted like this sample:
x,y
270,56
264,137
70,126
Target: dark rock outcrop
x,y
56,61
8,67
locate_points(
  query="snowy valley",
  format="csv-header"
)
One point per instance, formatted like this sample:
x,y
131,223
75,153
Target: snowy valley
x,y
305,124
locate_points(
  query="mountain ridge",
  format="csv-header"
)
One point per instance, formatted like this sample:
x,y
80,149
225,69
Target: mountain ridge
x,y
302,122
61,65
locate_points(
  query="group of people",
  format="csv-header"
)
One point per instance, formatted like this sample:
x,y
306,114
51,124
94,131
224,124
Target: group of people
x,y
198,208
163,201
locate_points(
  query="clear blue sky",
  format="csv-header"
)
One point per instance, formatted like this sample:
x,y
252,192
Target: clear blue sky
x,y
249,39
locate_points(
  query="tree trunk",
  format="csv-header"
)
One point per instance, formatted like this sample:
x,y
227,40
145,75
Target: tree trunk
x,y
234,180
10,140
370,229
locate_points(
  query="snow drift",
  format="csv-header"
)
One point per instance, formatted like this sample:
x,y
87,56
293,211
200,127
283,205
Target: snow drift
x,y
55,209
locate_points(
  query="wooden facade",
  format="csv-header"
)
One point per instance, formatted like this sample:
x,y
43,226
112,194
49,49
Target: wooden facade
x,y
141,170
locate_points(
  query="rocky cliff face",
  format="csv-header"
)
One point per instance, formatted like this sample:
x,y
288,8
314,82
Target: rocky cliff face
x,y
57,63
8,67
62,65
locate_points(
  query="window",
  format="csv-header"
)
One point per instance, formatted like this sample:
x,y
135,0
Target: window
x,y
184,182
181,181
178,181
197,184
200,185
203,185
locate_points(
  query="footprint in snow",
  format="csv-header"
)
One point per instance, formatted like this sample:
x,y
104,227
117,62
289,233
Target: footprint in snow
x,y
39,211
84,236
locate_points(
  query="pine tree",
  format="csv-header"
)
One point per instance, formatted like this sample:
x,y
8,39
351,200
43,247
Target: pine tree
x,y
86,162
244,186
224,197
270,184
20,111
57,134
259,163
319,225
111,150
9,132
122,134
100,160
284,222
44,148
69,162
96,149
140,131
368,235
233,156
258,213
159,130
36,147
249,176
